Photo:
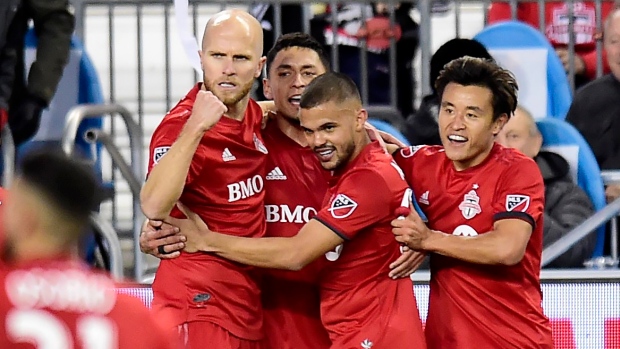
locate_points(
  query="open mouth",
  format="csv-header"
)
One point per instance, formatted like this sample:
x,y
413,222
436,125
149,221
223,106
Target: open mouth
x,y
227,85
457,139
294,100
325,154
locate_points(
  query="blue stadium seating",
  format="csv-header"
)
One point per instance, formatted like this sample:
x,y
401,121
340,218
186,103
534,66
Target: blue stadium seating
x,y
517,35
562,138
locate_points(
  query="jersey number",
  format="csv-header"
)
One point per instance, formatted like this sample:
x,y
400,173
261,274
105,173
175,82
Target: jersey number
x,y
47,331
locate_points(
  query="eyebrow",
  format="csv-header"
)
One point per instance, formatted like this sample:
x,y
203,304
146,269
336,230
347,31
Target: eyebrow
x,y
288,66
469,107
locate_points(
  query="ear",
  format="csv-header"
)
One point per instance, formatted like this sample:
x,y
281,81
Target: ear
x,y
261,65
360,119
267,89
499,123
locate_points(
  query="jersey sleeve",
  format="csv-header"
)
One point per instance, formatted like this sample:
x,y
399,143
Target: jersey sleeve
x,y
520,193
362,200
405,159
164,136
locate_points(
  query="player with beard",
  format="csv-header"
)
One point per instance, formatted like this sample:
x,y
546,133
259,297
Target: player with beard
x,y
48,297
295,187
360,305
208,153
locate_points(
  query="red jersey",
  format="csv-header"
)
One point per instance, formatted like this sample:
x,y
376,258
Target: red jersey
x,y
361,306
556,25
295,187
474,305
61,304
224,187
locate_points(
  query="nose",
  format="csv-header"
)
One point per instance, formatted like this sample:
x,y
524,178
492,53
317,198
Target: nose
x,y
299,81
229,67
317,139
458,122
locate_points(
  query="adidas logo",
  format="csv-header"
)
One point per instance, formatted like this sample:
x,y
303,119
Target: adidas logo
x,y
276,174
366,344
424,198
227,155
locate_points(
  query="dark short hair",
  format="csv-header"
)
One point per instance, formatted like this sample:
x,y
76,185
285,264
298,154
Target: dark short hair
x,y
68,185
329,87
453,49
471,71
300,40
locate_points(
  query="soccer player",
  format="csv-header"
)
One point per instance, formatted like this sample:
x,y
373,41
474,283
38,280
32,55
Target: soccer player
x,y
294,189
360,305
48,297
484,205
208,153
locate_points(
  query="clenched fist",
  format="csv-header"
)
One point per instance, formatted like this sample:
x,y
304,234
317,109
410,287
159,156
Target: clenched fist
x,y
207,111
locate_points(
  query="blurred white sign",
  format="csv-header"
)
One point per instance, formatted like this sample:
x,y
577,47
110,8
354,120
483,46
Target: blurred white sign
x,y
530,68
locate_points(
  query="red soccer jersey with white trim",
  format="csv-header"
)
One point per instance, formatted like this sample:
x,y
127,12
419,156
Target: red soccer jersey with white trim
x,y
225,187
62,304
474,305
295,187
361,306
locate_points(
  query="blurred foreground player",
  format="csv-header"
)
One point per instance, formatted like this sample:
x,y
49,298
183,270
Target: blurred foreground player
x,y
484,205
360,305
48,297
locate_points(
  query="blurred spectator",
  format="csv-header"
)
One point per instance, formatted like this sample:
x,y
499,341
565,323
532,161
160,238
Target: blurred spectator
x,y
25,98
556,30
378,33
566,204
421,127
595,110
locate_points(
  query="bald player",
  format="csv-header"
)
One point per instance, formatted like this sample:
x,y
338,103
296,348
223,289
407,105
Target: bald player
x,y
208,154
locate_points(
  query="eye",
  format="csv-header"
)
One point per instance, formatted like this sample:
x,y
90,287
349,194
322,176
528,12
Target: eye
x,y
308,132
217,55
472,116
330,128
241,58
284,74
448,110
309,73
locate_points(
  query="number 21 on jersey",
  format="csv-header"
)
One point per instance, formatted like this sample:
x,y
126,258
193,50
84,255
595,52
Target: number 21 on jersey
x,y
47,331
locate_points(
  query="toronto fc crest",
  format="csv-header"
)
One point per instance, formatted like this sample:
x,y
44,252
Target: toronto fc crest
x,y
470,206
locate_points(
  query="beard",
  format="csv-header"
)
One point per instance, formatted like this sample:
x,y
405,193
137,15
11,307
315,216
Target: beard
x,y
227,98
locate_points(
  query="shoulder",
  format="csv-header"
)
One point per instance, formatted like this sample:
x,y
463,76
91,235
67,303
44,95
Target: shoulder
x,y
512,159
592,88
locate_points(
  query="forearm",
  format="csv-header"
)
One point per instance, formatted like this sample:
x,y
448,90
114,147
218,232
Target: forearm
x,y
485,248
275,253
166,181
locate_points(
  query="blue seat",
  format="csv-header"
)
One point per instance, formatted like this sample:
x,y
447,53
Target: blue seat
x,y
517,35
562,138
386,127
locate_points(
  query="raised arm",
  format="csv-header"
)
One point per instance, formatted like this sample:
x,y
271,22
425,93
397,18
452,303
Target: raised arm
x,y
166,180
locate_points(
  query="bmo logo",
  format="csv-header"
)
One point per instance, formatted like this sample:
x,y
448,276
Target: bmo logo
x,y
464,230
283,214
245,189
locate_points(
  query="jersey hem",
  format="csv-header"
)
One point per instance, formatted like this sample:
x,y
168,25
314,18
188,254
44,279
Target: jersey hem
x,y
515,215
336,231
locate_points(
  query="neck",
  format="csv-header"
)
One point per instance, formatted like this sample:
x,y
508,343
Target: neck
x,y
362,142
464,165
237,111
291,128
39,248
